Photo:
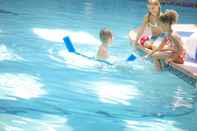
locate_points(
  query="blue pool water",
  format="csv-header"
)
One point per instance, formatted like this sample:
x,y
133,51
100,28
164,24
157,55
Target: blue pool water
x,y
44,88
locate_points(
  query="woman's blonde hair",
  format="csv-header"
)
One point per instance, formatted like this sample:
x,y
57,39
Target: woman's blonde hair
x,y
169,17
154,2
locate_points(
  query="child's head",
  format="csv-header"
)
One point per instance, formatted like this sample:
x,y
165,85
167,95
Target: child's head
x,y
154,7
106,36
168,18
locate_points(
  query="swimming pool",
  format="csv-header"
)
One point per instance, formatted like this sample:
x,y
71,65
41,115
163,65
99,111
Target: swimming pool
x,y
42,87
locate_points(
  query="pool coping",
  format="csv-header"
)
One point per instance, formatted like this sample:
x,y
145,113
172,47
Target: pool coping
x,y
177,69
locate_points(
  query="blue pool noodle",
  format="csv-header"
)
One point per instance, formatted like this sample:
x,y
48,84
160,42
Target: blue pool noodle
x,y
131,57
69,44
71,49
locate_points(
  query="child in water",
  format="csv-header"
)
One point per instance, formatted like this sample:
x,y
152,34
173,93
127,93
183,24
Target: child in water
x,y
175,51
106,39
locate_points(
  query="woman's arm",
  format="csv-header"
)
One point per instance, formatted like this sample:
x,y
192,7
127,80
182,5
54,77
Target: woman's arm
x,y
141,29
163,43
177,41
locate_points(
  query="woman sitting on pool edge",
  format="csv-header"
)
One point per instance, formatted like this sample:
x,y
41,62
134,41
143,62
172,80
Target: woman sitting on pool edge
x,y
150,23
175,51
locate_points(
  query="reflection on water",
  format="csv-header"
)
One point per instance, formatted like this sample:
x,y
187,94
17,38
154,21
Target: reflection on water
x,y
180,100
24,86
6,54
57,35
88,7
152,125
45,123
115,93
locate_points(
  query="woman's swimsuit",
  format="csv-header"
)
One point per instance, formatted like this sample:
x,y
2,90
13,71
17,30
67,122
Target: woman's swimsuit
x,y
155,25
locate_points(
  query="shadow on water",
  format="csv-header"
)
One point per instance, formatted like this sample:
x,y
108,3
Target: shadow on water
x,y
8,12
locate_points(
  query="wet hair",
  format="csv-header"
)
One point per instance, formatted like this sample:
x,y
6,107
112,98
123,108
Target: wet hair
x,y
105,34
169,17
154,2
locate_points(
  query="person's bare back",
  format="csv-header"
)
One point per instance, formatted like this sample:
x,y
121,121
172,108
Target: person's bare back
x,y
106,39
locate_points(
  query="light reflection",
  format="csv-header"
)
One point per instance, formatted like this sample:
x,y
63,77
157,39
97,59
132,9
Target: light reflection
x,y
116,93
151,125
88,7
6,54
46,122
180,99
57,35
20,85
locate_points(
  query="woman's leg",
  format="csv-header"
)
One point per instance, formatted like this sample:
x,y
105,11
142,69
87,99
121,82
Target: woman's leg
x,y
160,56
158,64
149,45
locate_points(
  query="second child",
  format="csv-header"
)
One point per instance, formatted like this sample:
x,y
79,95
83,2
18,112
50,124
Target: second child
x,y
106,40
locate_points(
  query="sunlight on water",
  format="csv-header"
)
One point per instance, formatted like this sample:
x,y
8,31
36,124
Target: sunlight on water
x,y
151,125
57,35
6,54
180,100
44,123
20,85
88,8
116,93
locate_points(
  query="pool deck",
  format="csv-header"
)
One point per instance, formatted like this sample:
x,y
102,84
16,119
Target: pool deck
x,y
189,68
185,27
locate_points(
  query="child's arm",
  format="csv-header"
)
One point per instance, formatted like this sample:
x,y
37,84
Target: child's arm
x,y
177,41
163,43
179,47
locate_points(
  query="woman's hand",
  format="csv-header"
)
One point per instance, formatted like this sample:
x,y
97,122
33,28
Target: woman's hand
x,y
144,57
168,61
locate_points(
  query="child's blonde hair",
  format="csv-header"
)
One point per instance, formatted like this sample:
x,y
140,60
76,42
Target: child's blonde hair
x,y
105,34
169,17
154,2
